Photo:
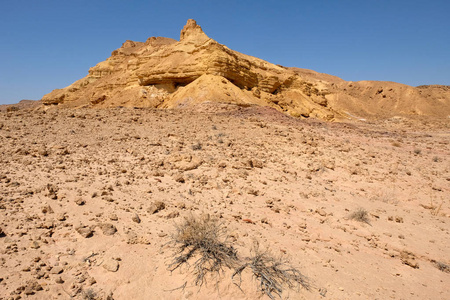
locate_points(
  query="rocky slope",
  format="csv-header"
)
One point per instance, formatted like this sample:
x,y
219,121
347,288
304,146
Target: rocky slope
x,y
165,73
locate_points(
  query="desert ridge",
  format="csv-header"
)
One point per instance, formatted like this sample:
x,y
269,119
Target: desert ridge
x,y
165,73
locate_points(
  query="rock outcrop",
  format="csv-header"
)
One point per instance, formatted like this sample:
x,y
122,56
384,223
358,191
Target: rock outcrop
x,y
165,73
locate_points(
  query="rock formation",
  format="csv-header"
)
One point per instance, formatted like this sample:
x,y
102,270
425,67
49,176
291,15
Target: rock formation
x,y
165,73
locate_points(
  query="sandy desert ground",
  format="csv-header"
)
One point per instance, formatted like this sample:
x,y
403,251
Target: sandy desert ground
x,y
90,200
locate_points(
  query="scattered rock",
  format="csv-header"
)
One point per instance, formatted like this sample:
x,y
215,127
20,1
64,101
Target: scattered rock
x,y
111,265
321,212
31,287
85,231
80,201
34,245
172,215
408,258
179,178
136,218
47,209
57,270
59,280
61,217
108,228
156,206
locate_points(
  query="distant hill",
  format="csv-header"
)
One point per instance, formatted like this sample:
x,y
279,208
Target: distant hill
x,y
23,104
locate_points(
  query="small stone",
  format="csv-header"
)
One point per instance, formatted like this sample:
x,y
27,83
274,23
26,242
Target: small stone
x,y
222,164
113,217
398,219
156,207
85,231
136,218
321,212
34,245
28,291
111,265
43,152
92,281
107,228
172,215
57,270
179,178
59,280
80,201
61,217
47,209
31,287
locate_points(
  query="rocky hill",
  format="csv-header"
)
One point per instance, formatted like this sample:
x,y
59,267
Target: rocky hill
x,y
165,73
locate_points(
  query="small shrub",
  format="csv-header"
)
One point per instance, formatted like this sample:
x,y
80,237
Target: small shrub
x,y
272,273
417,151
200,239
442,267
360,215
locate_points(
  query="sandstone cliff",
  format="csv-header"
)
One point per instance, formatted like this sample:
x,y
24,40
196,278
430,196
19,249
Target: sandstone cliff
x,y
165,73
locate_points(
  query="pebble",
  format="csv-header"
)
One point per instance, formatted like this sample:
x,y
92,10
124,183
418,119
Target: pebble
x,y
85,231
136,218
111,265
107,228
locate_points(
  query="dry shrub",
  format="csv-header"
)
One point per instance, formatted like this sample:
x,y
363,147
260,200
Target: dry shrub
x,y
273,273
360,215
201,239
442,266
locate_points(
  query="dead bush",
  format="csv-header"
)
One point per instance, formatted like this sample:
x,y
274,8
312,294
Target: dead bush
x,y
200,239
360,215
272,273
442,266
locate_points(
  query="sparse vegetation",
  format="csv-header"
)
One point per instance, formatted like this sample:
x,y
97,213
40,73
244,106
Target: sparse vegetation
x,y
442,266
360,215
272,273
201,239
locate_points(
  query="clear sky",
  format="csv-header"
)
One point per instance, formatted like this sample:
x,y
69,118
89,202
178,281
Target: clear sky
x,y
46,45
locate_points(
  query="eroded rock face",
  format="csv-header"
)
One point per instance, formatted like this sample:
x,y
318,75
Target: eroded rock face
x,y
165,73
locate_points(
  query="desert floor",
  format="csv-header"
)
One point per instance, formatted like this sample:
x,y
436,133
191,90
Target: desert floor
x,y
90,201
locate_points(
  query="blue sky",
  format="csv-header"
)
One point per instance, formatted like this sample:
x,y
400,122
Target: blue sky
x,y
46,45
